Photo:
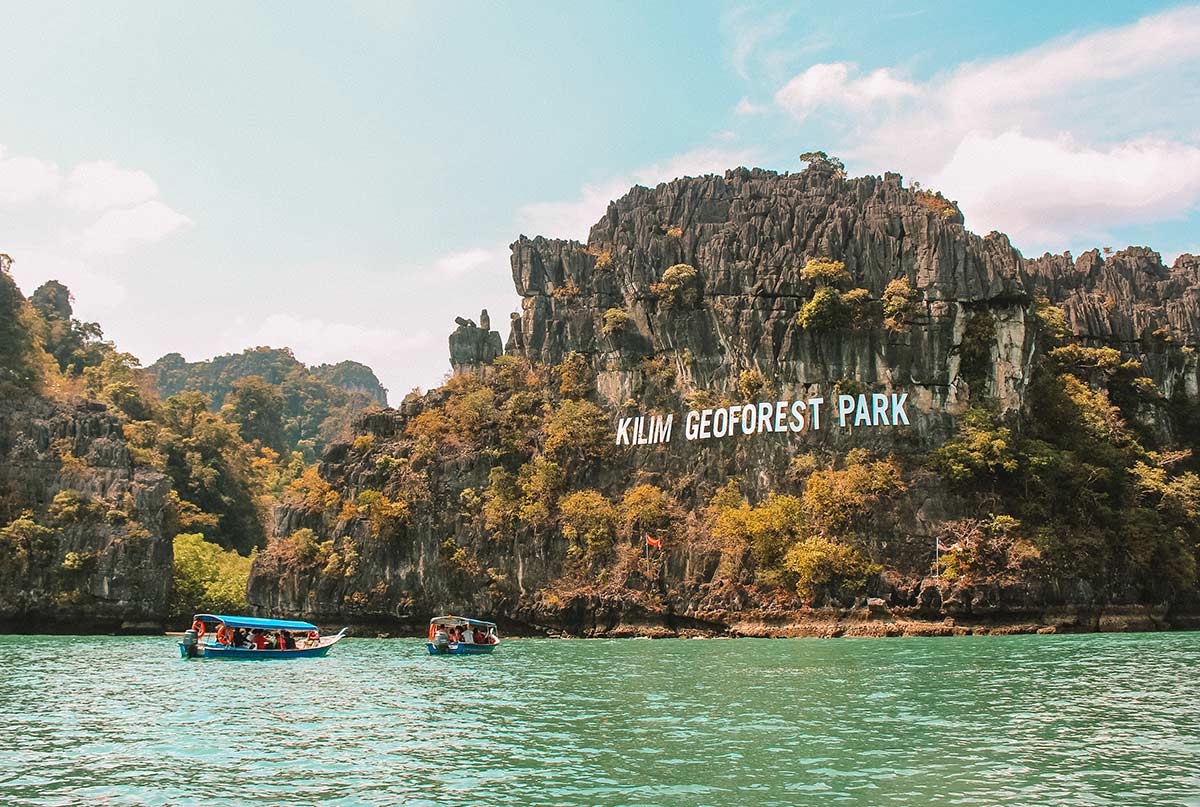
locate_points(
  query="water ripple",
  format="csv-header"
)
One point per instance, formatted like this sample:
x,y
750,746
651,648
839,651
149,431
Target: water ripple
x,y
1021,720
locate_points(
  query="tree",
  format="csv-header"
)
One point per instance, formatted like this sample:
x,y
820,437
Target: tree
x,y
820,161
18,362
207,578
588,521
256,407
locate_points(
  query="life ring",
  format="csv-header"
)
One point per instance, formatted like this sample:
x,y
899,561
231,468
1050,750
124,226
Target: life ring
x,y
198,626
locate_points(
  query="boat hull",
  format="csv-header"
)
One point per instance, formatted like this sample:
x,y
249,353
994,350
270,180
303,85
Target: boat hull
x,y
459,649
220,651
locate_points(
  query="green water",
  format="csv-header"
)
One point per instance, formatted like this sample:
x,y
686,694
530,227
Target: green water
x,y
1030,720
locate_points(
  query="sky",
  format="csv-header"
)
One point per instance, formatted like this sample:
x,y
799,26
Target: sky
x,y
345,179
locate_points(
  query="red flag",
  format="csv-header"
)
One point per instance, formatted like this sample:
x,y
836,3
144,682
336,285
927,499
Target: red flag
x,y
654,542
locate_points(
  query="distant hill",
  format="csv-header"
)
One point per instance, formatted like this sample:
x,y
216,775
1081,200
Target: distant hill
x,y
317,402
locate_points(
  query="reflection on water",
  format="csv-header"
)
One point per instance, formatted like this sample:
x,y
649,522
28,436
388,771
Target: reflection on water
x,y
1030,720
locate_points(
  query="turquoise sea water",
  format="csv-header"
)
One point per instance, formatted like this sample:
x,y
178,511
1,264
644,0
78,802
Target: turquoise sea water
x,y
1029,720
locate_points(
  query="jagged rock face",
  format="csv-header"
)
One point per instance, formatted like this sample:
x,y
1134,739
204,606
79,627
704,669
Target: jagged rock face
x,y
108,568
748,234
1130,301
473,347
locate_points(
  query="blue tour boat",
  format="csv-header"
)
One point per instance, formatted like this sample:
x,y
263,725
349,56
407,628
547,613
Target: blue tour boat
x,y
460,636
248,637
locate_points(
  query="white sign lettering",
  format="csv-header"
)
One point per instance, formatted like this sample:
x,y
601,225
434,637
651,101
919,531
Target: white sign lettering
x,y
776,417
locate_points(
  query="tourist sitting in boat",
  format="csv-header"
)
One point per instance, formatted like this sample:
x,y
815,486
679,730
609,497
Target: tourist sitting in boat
x,y
479,636
239,636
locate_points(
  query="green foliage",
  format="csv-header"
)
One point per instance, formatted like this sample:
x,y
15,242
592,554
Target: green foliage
x,y
256,408
839,503
25,544
1051,319
726,522
18,347
751,384
615,321
820,161
577,433
647,509
975,351
575,375
74,345
679,287
901,305
826,311
207,578
540,481
318,404
501,500
773,527
387,516
588,521
825,567
73,507
982,449
825,272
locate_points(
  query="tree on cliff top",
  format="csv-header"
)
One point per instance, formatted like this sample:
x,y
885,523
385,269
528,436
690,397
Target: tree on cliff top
x,y
19,348
820,161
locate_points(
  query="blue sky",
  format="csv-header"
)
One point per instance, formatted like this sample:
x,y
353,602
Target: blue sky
x,y
346,179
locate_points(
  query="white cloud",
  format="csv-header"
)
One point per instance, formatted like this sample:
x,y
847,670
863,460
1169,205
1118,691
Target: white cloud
x,y
1045,144
745,107
23,179
748,33
117,230
457,264
1051,190
574,218
103,184
832,85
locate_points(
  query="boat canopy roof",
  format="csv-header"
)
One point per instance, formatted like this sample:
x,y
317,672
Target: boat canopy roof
x,y
456,621
254,622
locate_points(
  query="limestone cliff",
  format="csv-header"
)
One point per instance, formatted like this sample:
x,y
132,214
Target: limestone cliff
x,y
963,331
105,563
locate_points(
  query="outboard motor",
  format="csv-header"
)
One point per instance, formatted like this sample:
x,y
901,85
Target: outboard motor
x,y
189,643
441,641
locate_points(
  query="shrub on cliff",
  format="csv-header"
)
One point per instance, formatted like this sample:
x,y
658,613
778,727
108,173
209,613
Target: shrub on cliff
x,y
207,578
680,286
576,378
981,449
901,304
541,481
825,272
589,522
615,321
726,518
975,352
751,384
312,494
647,509
387,516
577,433
823,567
826,311
25,544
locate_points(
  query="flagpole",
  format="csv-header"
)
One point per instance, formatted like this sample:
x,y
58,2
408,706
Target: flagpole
x,y
937,557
